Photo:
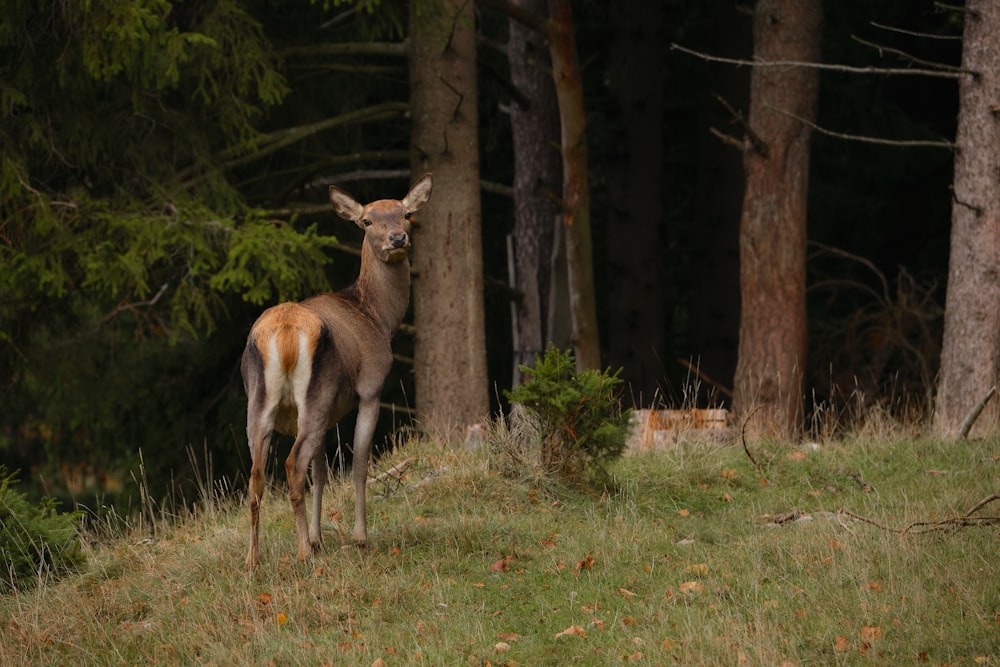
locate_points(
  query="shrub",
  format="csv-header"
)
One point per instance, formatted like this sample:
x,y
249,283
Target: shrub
x,y
582,425
35,540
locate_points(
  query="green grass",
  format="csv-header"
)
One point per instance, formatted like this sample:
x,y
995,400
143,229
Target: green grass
x,y
676,564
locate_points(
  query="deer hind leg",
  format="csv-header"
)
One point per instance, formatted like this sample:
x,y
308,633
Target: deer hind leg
x,y
259,439
297,468
363,430
319,475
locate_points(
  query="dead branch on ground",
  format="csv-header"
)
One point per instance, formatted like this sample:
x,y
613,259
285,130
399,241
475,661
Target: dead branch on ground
x,y
920,527
743,437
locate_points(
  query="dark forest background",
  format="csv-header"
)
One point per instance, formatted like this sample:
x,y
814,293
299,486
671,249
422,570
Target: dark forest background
x,y
117,180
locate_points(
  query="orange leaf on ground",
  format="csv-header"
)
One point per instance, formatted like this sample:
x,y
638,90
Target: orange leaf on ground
x,y
840,644
586,563
282,618
626,593
508,636
264,598
499,566
871,632
691,587
575,630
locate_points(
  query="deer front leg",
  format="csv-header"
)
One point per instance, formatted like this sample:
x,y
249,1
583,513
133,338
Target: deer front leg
x,y
363,430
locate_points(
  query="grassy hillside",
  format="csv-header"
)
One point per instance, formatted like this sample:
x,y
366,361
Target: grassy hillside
x,y
695,557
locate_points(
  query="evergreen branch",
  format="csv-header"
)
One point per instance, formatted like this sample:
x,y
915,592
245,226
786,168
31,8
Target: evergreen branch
x,y
850,69
399,49
275,141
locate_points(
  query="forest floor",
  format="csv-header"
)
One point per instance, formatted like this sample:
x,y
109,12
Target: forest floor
x,y
853,552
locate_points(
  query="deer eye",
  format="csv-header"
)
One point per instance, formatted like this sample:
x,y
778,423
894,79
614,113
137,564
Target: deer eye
x,y
407,215
367,222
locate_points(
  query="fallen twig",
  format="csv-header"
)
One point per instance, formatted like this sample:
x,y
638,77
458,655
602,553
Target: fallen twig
x,y
927,526
743,437
395,473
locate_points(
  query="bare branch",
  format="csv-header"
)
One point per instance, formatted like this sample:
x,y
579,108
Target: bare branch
x,y
727,139
974,413
886,294
902,143
759,145
134,305
885,71
926,35
953,8
907,56
705,377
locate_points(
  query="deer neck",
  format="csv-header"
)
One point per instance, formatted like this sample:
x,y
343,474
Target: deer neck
x,y
384,290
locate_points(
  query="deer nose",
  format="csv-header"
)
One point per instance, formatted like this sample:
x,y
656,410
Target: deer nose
x,y
397,239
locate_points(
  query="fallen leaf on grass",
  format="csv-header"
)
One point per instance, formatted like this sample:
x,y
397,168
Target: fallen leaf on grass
x,y
871,632
840,644
586,563
501,647
282,618
264,598
508,636
574,630
699,569
499,566
626,593
691,587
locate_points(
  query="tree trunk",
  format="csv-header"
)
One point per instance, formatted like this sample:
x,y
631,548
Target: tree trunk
x,y
772,347
450,345
537,182
970,353
576,187
636,329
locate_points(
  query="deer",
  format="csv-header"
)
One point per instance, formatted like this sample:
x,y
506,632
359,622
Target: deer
x,y
307,364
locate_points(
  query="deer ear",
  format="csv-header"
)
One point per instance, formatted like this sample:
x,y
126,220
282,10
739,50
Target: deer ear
x,y
345,205
419,194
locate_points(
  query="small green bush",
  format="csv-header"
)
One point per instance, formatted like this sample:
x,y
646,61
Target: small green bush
x,y
581,422
35,540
